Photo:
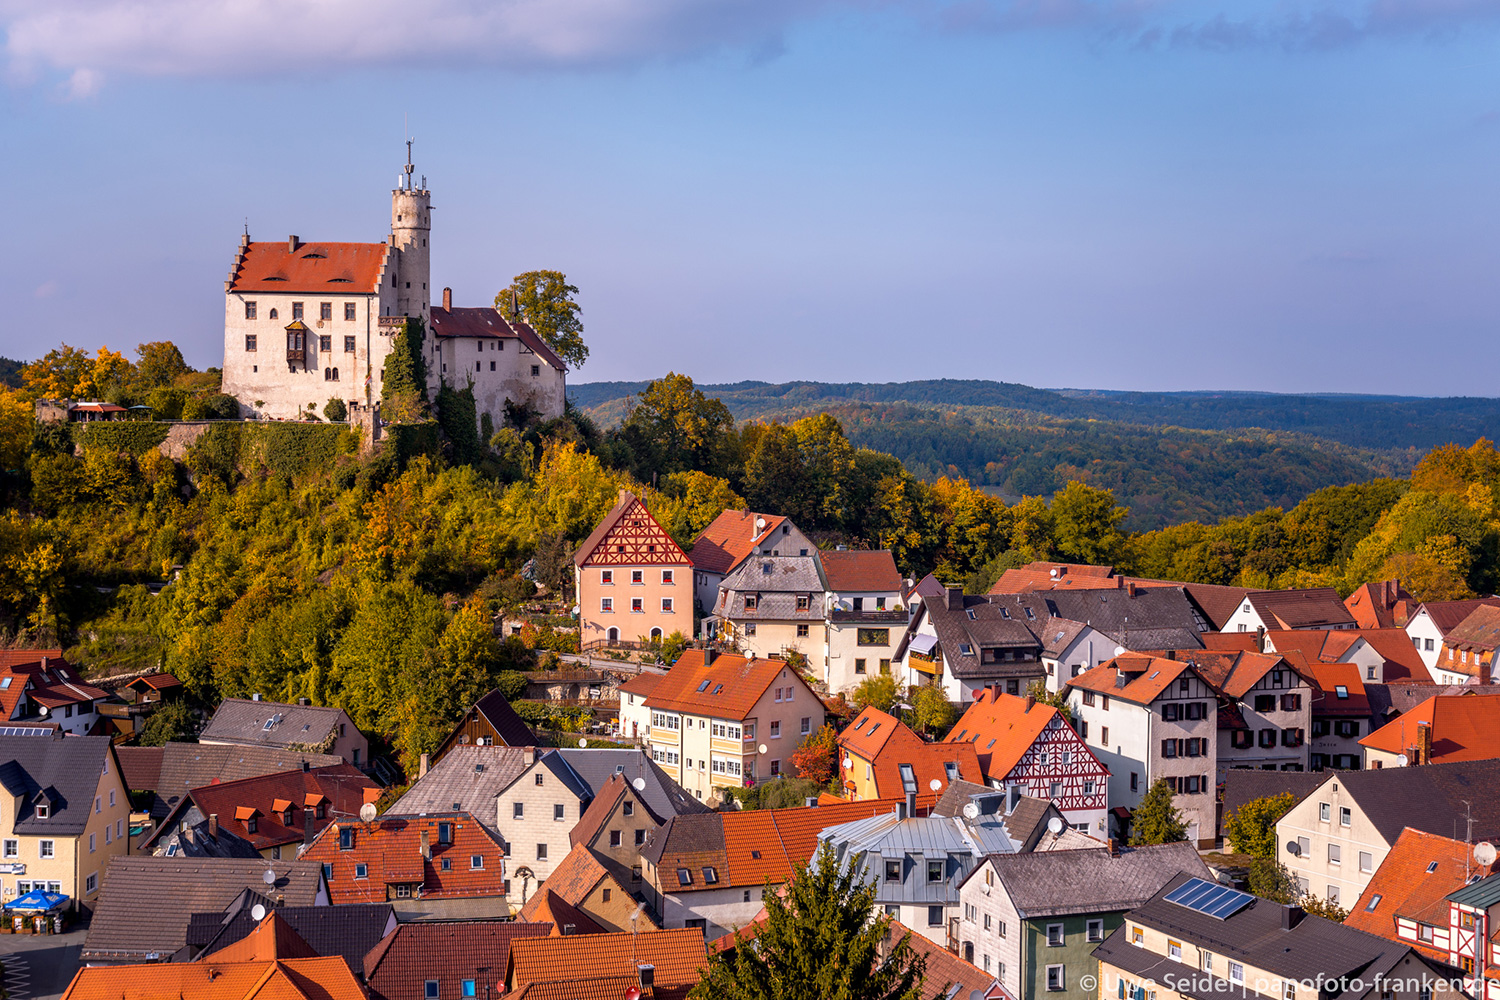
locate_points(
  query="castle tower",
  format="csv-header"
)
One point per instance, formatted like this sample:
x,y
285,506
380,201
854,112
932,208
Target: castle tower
x,y
411,226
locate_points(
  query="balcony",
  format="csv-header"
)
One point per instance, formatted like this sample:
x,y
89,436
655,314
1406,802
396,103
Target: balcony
x,y
295,355
841,617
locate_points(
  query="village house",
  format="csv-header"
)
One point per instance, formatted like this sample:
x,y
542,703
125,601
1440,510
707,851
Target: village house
x,y
49,691
467,779
1024,744
1214,603
1443,729
1468,654
720,720
631,579
1311,608
171,771
1196,938
731,538
966,644
1336,838
1024,915
583,892
1383,656
132,924
538,810
274,813
279,965
774,606
635,717
615,828
867,617
1384,604
349,931
300,728
880,758
448,960
657,964
1406,899
1433,620
65,817
1341,716
1265,710
401,859
490,722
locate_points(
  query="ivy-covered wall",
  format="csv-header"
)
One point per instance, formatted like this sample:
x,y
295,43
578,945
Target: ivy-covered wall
x,y
134,436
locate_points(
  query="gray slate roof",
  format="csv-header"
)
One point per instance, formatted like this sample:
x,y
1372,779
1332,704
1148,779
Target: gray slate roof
x,y
349,930
1055,883
243,721
185,766
1116,611
64,772
1433,798
466,779
145,902
585,773
778,580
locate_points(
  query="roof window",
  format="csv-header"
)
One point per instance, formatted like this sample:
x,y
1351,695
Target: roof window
x,y
684,876
1432,867
1341,691
755,855
1374,902
703,687
1004,613
972,615
710,876
717,689
5,683
872,729
1030,614
966,649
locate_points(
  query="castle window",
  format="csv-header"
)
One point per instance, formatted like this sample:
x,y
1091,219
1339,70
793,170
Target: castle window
x,y
273,313
325,310
249,310
325,344
492,366
335,374
479,366
249,341
348,345
327,374
536,370
349,310
408,284
296,310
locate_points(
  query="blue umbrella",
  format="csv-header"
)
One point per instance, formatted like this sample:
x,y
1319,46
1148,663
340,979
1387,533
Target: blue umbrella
x,y
38,901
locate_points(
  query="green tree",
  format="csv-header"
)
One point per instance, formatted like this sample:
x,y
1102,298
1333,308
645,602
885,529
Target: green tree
x,y
1086,523
674,427
816,757
1270,879
160,365
1324,908
932,709
544,301
512,684
1252,828
688,502
336,411
171,723
1057,699
822,940
878,690
1156,820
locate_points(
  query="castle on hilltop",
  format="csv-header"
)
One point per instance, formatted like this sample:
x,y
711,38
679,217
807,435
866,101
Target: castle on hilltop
x,y
308,322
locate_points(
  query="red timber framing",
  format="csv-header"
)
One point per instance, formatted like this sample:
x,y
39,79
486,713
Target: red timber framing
x,y
1058,756
635,539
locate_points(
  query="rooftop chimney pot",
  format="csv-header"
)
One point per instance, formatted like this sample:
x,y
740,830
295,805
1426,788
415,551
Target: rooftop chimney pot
x,y
448,299
213,826
292,243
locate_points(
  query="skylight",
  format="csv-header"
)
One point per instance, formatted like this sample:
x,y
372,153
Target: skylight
x,y
5,683
1432,868
1341,691
966,649
972,615
718,688
1374,902
703,687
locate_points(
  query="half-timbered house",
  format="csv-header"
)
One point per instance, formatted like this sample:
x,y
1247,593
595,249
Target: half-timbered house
x,y
1023,743
633,582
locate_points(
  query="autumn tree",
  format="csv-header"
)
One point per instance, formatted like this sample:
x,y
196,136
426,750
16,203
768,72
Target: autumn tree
x,y
1156,820
687,502
1086,523
816,757
15,428
160,364
932,710
878,690
822,939
544,301
1252,827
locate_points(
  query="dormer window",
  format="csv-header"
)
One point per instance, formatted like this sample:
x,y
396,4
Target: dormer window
x,y
43,810
751,600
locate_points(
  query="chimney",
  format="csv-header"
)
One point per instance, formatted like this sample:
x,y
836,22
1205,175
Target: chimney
x,y
1291,915
911,804
422,767
292,243
306,765
1260,638
1424,743
187,834
213,827
427,845
255,696
304,701
953,598
46,662
1030,702
309,817
1114,848
625,495
448,299
1130,589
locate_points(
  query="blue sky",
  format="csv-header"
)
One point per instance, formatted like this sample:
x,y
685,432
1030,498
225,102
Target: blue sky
x,y
1286,196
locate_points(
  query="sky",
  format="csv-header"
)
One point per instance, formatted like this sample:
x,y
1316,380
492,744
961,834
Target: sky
x,y
1290,196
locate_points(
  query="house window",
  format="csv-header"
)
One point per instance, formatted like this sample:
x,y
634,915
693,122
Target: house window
x,y
893,871
536,370
666,605
1137,937
637,576
1346,817
1205,960
934,871
1104,741
873,637
859,666
1325,812
637,605
1366,861
640,837
607,577
1055,936
349,315
606,605
327,871
446,865
775,729
249,341
476,862
91,884
806,725
667,577
557,812
92,841
541,852
1056,979
1236,973
1095,930
518,810
1174,950
802,631
803,602
249,309
325,343
430,990
251,824
749,628
361,870
615,838
934,916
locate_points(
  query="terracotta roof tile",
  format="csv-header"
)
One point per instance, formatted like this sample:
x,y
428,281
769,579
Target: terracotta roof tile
x,y
726,688
391,847
343,787
1310,607
641,684
1002,728
1329,680
1384,604
572,880
283,979
729,539
854,571
320,268
1480,629
1147,677
486,321
948,976
448,951
929,762
272,938
1463,728
676,955
1404,887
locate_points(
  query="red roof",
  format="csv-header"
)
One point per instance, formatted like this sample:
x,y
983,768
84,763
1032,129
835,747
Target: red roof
x,y
1447,615
1147,677
448,951
860,572
1402,661
1404,887
893,745
282,979
1001,729
784,838
16,657
391,850
642,684
726,688
732,536
574,878
676,956
267,797
1053,576
638,530
1385,604
318,268
1339,689
1463,728
271,939
486,322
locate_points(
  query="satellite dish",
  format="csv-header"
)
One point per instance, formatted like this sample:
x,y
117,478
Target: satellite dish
x,y
934,784
639,784
761,748
1293,848
971,810
43,710
1055,825
583,744
269,878
1119,650
848,763
1402,759
367,812
258,913
1484,853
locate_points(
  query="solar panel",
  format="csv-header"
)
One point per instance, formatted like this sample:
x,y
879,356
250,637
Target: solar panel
x,y
24,731
1217,901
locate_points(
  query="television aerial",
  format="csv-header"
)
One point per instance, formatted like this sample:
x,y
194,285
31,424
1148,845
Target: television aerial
x,y
1055,825
257,913
367,812
971,810
1484,853
269,878
639,784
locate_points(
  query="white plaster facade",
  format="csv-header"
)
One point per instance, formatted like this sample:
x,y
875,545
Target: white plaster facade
x,y
1426,637
479,349
1084,652
1338,848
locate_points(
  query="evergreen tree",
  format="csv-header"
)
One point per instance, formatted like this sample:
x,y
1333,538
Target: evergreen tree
x,y
1156,820
404,381
823,940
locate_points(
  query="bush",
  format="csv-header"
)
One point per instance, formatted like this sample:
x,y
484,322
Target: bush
x,y
134,436
211,406
171,723
336,411
166,402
